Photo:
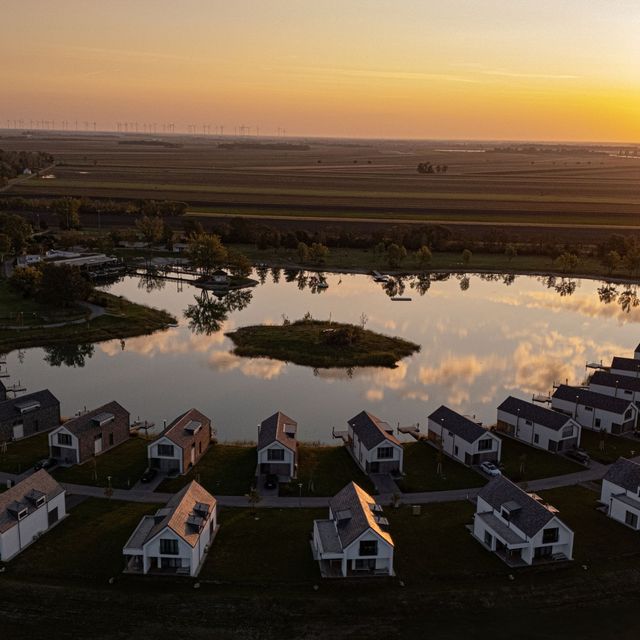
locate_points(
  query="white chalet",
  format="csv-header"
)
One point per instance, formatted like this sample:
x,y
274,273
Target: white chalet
x,y
618,386
354,540
373,445
519,527
177,538
278,447
538,426
461,438
27,510
621,492
625,367
595,411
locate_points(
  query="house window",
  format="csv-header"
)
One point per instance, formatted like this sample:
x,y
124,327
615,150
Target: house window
x,y
567,432
550,536
64,439
53,516
588,408
485,445
165,450
631,519
111,439
97,437
598,422
488,539
384,453
536,438
169,547
455,451
275,454
368,548
628,414
505,514
627,392
528,422
40,501
22,514
365,565
199,447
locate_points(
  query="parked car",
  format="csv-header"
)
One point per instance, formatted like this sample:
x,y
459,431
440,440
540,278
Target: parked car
x,y
579,455
47,463
490,469
149,475
271,481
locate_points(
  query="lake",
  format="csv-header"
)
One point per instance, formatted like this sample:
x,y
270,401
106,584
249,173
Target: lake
x,y
482,338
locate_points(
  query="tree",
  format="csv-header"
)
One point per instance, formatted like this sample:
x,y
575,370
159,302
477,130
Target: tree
x,y
17,228
395,254
5,246
466,256
318,252
424,256
26,280
303,252
511,252
239,264
62,285
632,258
151,228
207,252
68,211
567,262
611,261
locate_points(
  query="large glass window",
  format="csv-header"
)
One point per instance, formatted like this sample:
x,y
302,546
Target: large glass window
x,y
165,450
169,547
64,439
275,454
631,519
550,536
384,453
485,445
368,547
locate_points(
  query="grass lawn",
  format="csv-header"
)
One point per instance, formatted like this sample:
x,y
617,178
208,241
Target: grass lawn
x,y
275,548
606,448
323,471
420,466
308,343
597,537
87,544
23,454
537,463
227,470
437,543
125,464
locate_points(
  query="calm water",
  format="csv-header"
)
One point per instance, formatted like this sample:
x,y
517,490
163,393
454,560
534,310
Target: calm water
x,y
481,340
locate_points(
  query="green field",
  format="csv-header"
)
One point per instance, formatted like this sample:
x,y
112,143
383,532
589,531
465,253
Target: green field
x,y
21,455
124,463
606,448
223,470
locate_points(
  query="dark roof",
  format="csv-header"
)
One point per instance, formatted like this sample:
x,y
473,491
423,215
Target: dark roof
x,y
273,430
606,379
534,412
592,399
353,515
22,496
458,424
625,364
86,423
371,431
637,349
530,517
625,473
9,409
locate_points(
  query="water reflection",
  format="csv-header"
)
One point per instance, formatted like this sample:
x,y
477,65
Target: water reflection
x,y
483,337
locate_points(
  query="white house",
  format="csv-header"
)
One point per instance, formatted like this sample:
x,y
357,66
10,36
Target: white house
x,y
518,526
27,510
615,385
177,538
182,444
595,411
538,426
373,445
621,492
278,447
355,539
636,353
461,438
625,367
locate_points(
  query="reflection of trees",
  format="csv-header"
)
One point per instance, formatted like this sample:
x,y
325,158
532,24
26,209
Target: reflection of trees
x,y
563,286
607,293
69,355
464,283
291,275
209,313
316,283
275,274
421,284
151,282
394,286
301,279
262,272
628,299
509,278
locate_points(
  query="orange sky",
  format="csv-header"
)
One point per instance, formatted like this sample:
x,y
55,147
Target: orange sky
x,y
483,69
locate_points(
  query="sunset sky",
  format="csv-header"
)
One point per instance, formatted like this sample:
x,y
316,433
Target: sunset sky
x,y
476,69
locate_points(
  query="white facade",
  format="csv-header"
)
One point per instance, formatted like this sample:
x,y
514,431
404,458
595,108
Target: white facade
x,y
539,435
384,456
487,447
350,561
625,394
278,457
66,443
597,419
501,536
29,528
622,504
167,452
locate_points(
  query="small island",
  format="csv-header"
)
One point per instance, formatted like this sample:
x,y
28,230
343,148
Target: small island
x,y
321,344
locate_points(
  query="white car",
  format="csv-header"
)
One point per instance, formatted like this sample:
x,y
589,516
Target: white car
x,y
490,469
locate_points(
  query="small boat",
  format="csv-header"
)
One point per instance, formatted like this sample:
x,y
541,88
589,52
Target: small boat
x,y
399,299
379,277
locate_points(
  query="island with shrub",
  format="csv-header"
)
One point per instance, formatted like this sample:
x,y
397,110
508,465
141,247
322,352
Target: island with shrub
x,y
321,344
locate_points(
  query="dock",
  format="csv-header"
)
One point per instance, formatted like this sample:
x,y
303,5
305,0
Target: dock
x,y
340,435
379,277
413,431
399,299
540,398
597,365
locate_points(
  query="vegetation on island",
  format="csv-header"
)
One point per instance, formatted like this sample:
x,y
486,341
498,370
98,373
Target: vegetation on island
x,y
321,344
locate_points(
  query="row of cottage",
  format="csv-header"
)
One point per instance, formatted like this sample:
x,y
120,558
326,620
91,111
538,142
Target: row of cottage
x,y
354,539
